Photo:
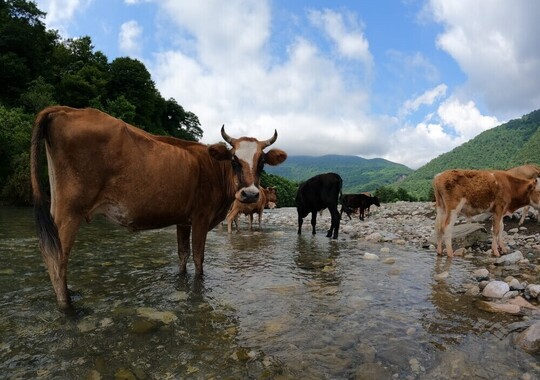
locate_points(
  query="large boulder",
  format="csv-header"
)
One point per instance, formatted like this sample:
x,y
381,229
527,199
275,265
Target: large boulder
x,y
466,235
529,339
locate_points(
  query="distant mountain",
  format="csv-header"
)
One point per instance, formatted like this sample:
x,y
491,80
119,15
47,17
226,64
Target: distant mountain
x,y
514,143
359,174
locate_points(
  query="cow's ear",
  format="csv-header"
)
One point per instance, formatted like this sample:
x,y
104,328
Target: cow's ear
x,y
220,152
275,157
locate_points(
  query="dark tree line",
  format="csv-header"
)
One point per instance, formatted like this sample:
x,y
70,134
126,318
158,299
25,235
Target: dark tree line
x,y
38,68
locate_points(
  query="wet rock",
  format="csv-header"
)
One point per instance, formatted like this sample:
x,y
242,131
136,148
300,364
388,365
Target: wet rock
x,y
466,235
441,276
124,374
375,236
496,289
366,353
511,258
372,371
163,316
533,290
370,256
389,260
481,274
529,340
493,307
144,326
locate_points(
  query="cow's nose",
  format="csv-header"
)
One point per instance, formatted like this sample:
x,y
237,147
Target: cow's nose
x,y
249,196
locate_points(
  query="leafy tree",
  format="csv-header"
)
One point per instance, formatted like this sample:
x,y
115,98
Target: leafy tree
x,y
25,47
39,95
179,123
122,109
130,78
15,134
286,190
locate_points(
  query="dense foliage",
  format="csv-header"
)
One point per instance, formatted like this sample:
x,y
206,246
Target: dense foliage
x,y
38,69
358,174
508,145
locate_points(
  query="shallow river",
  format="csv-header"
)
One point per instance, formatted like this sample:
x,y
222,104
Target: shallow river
x,y
271,305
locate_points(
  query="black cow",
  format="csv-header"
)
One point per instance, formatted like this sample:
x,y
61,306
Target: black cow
x,y
360,201
316,194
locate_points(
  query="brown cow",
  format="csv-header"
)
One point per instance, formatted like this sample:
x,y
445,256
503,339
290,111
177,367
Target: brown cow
x,y
101,165
527,171
473,192
266,196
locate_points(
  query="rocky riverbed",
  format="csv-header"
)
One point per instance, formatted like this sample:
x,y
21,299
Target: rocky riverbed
x,y
508,284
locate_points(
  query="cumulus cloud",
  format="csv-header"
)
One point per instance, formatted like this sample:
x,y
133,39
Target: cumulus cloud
x,y
61,12
495,44
304,95
129,38
451,125
428,97
349,39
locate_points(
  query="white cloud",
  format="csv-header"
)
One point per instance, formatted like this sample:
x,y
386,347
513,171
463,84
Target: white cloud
x,y
60,13
428,97
453,124
129,38
495,44
350,43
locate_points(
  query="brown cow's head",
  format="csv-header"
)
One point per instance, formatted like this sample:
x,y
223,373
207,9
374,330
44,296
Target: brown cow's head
x,y
247,158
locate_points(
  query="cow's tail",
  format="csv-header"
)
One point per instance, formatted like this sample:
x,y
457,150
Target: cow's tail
x,y
440,208
49,240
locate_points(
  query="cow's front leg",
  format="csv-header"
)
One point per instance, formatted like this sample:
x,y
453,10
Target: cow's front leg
x,y
183,233
497,240
313,221
199,242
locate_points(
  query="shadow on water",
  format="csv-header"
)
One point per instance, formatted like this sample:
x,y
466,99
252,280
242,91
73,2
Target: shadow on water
x,y
271,304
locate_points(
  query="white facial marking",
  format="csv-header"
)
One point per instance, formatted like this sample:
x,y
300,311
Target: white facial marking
x,y
246,152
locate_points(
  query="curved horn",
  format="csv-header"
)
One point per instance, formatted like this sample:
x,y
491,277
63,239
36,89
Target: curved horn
x,y
225,136
271,140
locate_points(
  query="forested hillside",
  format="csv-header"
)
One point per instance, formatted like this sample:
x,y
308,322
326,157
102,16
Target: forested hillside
x,y
359,174
511,144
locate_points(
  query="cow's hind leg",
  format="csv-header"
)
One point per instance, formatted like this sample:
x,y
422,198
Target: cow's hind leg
x,y
183,233
57,265
313,221
334,226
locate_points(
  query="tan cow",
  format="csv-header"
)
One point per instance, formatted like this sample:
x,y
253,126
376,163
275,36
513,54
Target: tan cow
x,y
525,171
101,165
266,196
473,192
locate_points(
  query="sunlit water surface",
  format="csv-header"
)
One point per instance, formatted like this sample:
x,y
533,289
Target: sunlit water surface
x,y
270,305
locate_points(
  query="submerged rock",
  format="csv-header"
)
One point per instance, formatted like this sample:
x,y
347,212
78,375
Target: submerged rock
x,y
529,339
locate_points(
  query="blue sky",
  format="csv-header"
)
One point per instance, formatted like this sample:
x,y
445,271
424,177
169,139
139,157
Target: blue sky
x,y
402,80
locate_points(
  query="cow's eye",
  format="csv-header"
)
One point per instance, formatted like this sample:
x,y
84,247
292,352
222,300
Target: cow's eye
x,y
235,163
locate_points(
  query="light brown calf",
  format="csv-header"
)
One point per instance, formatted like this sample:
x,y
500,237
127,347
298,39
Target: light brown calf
x,y
266,196
528,171
472,192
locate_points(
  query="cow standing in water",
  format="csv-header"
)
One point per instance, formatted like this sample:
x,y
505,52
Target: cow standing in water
x,y
473,192
316,194
101,165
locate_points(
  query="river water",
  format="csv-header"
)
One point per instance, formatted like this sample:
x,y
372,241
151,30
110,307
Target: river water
x,y
271,305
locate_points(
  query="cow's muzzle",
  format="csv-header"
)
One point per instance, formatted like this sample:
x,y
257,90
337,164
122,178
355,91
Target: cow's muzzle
x,y
248,195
